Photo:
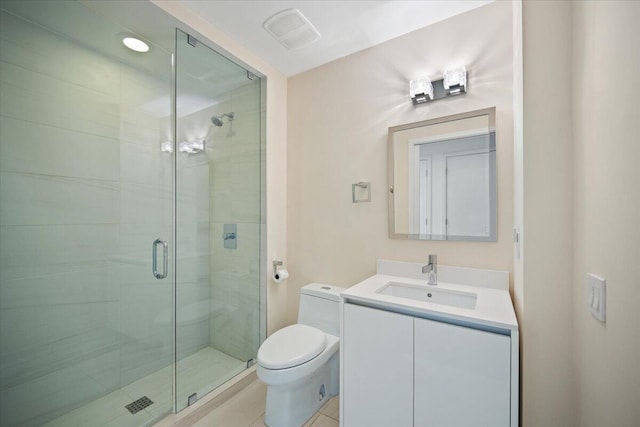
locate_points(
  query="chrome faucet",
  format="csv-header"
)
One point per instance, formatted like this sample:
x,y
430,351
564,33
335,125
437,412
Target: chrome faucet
x,y
432,270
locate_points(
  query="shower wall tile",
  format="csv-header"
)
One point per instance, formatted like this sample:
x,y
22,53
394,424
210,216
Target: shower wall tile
x,y
35,251
245,207
34,48
34,402
140,204
103,368
248,134
74,287
74,351
42,199
145,164
41,149
35,97
143,309
38,328
246,175
221,204
144,95
139,358
133,133
246,98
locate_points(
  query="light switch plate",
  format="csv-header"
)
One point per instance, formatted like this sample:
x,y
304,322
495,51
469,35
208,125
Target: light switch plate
x,y
596,296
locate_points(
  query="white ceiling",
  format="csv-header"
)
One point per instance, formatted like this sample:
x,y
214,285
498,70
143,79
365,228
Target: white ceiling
x,y
346,26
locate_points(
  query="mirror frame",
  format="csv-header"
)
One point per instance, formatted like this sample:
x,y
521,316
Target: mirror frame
x,y
491,116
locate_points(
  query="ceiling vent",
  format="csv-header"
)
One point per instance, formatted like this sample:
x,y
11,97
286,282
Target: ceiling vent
x,y
292,29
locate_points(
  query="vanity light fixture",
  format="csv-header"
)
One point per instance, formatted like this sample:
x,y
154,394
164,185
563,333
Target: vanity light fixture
x,y
421,90
454,82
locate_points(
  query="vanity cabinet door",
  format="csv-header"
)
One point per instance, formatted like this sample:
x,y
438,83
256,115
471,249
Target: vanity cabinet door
x,y
462,376
377,368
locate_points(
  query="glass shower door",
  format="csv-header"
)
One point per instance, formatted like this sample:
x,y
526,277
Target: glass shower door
x,y
218,217
85,188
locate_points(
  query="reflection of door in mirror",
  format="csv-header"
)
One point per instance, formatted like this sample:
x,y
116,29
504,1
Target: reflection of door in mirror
x,y
467,186
443,179
449,186
425,218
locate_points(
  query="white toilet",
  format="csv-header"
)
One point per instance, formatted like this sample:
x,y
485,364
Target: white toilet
x,y
300,363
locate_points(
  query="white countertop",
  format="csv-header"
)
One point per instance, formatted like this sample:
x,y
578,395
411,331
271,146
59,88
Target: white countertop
x,y
493,306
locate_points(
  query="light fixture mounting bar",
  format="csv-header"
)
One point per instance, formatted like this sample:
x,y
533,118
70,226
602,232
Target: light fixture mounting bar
x,y
439,92
453,82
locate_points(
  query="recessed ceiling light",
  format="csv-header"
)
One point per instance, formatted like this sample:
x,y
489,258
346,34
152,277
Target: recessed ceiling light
x,y
135,44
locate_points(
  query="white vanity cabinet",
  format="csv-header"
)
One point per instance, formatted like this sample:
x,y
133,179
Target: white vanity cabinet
x,y
462,376
400,370
377,362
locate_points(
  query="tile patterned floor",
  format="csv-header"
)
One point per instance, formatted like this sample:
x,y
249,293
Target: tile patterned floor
x,y
246,409
199,372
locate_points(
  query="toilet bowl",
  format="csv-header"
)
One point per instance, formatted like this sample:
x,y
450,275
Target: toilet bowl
x,y
300,363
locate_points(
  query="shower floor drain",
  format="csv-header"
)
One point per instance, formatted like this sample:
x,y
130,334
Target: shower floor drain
x,y
139,405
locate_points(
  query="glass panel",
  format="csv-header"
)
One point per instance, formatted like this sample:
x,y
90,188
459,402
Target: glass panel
x,y
85,328
218,218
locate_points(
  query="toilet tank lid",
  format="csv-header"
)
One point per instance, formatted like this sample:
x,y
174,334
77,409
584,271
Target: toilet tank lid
x,y
322,290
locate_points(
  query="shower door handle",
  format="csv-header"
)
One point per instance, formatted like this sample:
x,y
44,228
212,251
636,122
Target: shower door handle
x,y
165,258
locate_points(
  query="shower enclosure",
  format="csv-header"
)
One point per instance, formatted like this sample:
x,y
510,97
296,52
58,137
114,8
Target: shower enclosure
x,y
131,215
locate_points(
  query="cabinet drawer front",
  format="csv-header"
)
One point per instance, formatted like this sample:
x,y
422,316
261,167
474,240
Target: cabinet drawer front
x,y
463,376
378,368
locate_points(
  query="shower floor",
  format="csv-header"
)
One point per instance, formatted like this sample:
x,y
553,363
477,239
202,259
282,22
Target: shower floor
x,y
198,373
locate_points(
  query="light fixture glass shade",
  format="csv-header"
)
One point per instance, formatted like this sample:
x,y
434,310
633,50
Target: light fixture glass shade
x,y
192,147
455,80
166,147
420,90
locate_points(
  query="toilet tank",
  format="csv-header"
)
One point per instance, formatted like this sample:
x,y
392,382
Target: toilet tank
x,y
320,307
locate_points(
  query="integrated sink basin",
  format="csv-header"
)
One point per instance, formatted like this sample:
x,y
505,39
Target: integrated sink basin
x,y
468,296
430,294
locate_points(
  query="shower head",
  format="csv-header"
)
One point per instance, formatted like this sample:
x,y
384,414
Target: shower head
x,y
217,120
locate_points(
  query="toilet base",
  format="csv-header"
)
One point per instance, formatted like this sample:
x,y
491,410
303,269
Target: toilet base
x,y
294,404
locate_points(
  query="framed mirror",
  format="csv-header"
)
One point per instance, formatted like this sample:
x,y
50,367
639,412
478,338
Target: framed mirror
x,y
442,178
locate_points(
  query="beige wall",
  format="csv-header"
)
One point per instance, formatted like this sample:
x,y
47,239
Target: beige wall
x,y
580,156
338,117
547,398
276,157
606,234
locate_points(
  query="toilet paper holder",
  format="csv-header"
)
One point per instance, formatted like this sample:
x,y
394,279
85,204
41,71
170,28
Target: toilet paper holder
x,y
279,275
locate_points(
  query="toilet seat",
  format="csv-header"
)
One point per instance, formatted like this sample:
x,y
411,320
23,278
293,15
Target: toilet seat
x,y
291,346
